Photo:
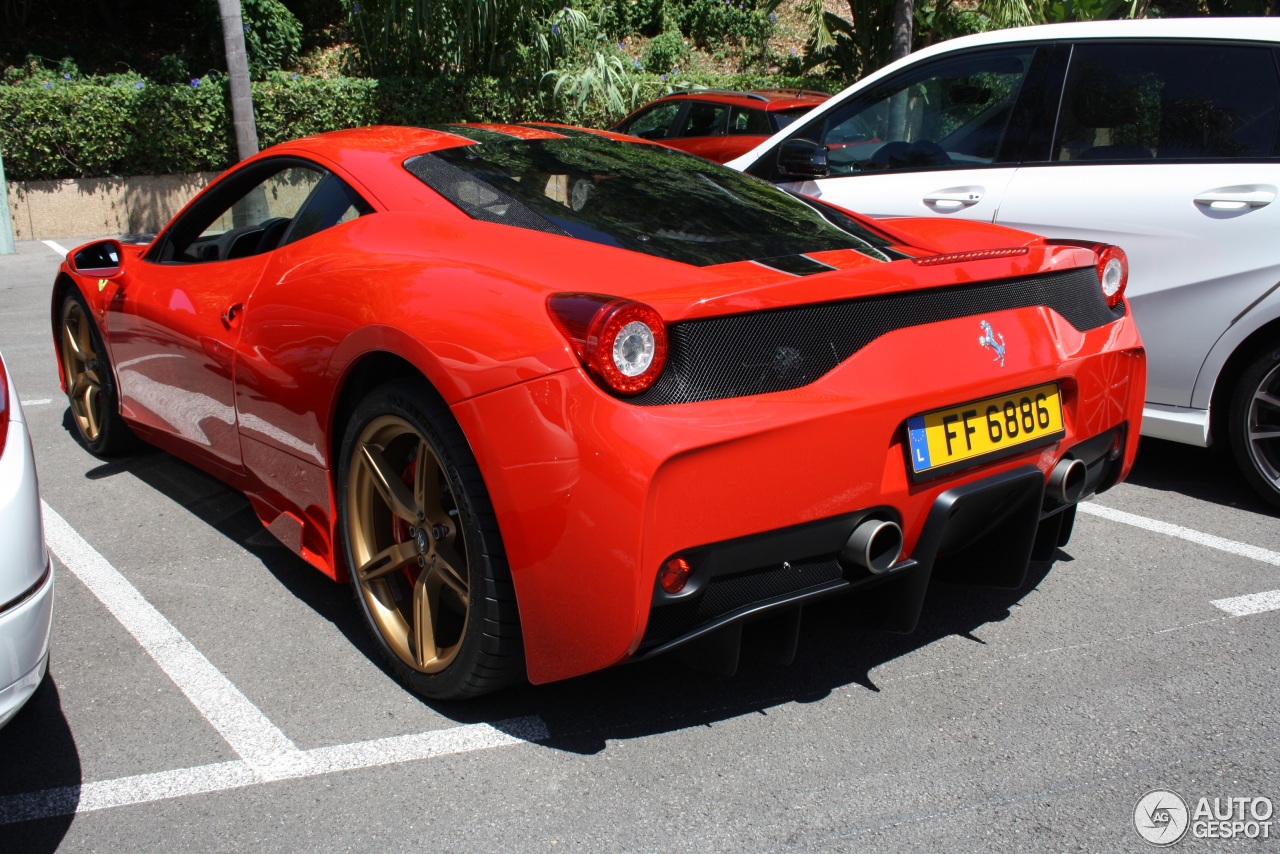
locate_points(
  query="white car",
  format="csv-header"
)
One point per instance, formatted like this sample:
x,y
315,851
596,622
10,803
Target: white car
x,y
1160,136
26,570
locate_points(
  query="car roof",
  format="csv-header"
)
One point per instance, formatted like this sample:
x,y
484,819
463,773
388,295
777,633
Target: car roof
x,y
760,99
374,156
1233,29
1256,29
380,144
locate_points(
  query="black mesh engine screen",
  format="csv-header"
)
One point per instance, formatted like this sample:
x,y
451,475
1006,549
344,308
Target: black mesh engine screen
x,y
777,350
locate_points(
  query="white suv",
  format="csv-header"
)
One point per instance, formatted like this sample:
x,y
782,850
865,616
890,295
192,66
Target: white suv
x,y
1158,135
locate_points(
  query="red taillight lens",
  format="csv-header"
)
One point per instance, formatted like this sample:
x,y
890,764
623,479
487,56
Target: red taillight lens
x,y
1113,272
1113,267
622,343
674,575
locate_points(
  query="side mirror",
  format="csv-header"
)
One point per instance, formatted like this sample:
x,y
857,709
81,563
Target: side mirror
x,y
802,158
101,259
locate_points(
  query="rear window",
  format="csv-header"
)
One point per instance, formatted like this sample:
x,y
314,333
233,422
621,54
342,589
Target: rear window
x,y
782,118
644,198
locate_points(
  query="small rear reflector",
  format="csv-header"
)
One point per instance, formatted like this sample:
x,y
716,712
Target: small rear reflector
x,y
674,575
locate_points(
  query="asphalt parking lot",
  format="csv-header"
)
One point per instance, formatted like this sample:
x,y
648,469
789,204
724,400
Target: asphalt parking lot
x,y
211,692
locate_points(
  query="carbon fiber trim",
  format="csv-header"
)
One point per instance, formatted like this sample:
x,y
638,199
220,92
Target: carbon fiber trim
x,y
727,594
770,351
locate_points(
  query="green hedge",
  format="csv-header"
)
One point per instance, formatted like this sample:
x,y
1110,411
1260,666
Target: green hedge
x,y
97,127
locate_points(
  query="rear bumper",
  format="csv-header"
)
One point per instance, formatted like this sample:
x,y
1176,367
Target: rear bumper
x,y
984,531
24,646
593,494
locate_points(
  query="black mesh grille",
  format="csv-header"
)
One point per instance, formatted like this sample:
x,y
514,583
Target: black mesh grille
x,y
777,350
728,593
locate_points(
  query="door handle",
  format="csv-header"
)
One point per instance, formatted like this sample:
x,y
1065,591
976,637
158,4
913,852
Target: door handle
x,y
229,316
1236,198
954,198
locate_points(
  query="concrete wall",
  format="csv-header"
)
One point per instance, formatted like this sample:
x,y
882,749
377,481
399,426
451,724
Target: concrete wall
x,y
48,210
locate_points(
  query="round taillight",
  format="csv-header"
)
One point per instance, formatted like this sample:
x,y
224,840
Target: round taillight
x,y
674,575
1113,273
622,343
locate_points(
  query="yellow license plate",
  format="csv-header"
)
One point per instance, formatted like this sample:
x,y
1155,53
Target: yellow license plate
x,y
961,433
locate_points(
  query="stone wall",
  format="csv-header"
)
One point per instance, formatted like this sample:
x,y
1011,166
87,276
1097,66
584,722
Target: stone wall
x,y
48,210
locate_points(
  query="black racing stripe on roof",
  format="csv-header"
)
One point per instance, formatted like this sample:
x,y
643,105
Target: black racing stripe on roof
x,y
572,133
474,134
796,265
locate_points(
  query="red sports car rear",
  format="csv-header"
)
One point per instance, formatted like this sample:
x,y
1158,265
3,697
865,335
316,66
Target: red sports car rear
x,y
553,400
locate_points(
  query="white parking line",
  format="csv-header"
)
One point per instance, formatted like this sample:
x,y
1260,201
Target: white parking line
x,y
1254,603
56,247
267,754
1199,537
223,776
40,402
251,735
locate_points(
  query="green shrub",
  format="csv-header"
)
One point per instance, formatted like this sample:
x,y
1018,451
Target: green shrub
x,y
711,22
665,52
272,35
55,127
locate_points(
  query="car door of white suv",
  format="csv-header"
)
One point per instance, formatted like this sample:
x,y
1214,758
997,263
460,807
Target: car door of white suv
x,y
941,137
1167,150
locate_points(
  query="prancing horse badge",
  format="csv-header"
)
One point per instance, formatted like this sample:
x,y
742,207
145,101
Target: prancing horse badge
x,y
994,341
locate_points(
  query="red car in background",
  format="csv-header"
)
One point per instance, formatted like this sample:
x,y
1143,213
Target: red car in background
x,y
719,125
554,399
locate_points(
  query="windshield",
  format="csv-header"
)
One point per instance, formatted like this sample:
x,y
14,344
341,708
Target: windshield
x,y
644,198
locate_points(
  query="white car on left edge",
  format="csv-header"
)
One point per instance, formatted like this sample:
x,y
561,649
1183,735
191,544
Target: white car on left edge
x,y
26,570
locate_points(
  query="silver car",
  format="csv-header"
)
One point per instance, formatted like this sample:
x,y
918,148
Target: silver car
x,y
1159,136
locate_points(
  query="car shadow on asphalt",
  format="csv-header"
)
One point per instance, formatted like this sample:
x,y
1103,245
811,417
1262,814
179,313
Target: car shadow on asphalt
x,y
38,752
663,694
1206,474
229,513
631,701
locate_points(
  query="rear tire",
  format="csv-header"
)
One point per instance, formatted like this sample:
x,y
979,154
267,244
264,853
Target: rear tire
x,y
90,381
1254,425
423,548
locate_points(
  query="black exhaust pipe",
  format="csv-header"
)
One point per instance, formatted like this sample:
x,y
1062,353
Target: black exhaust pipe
x,y
874,545
1067,480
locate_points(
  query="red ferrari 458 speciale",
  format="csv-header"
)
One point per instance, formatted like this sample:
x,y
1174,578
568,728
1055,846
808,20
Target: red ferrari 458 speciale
x,y
555,399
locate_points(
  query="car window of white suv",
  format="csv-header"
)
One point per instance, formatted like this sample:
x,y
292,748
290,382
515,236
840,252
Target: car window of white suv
x,y
951,113
1134,102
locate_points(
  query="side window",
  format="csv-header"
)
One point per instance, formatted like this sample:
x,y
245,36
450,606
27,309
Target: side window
x,y
949,113
653,123
744,120
331,203
242,219
1168,102
703,120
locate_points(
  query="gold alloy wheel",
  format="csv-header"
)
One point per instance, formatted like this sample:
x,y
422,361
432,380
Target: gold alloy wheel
x,y
81,366
410,557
